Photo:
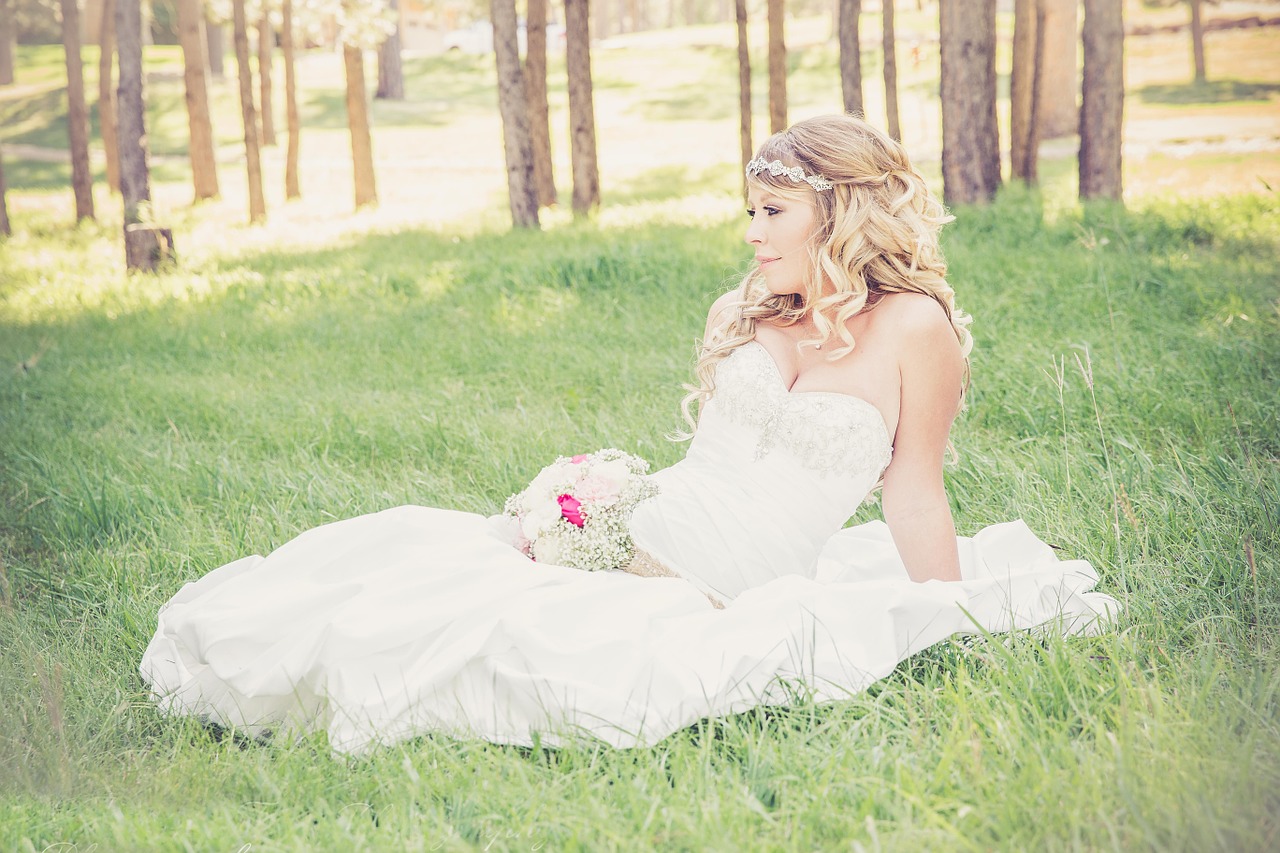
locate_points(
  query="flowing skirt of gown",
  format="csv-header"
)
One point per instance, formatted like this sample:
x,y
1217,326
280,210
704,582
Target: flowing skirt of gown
x,y
415,620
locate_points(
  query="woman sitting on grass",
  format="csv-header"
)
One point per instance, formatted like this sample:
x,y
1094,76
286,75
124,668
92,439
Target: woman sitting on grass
x,y
839,363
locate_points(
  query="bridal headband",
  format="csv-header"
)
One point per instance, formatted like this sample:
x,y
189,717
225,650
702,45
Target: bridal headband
x,y
795,173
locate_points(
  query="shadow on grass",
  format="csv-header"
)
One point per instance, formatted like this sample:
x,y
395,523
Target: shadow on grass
x,y
1210,92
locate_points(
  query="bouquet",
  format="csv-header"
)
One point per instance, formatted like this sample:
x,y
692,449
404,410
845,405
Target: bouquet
x,y
577,511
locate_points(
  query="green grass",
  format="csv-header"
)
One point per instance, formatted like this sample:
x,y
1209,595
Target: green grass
x,y
1123,404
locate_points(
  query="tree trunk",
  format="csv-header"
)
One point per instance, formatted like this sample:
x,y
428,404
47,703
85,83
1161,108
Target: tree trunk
x,y
291,188
240,35
517,141
204,167
1059,76
215,36
358,121
8,41
266,42
5,230
890,45
1102,100
390,67
144,245
1197,40
1024,89
970,139
107,93
535,87
77,112
582,117
848,13
744,89
777,67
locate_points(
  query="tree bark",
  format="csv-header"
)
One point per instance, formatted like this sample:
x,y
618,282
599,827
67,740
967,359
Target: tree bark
x,y
215,47
291,188
5,229
1025,87
1059,76
778,67
8,41
1102,100
582,118
517,141
77,112
744,89
390,65
144,245
889,42
266,42
358,121
204,167
107,93
252,156
970,139
535,86
848,13
1197,40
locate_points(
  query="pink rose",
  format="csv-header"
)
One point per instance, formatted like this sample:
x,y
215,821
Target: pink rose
x,y
580,458
570,508
598,490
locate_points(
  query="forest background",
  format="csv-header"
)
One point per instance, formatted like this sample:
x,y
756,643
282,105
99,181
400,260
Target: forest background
x,y
328,362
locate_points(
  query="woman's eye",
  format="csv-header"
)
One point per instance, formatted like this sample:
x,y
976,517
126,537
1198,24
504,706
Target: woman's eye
x,y
772,211
751,213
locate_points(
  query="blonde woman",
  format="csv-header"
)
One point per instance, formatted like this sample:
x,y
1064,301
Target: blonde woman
x,y
837,365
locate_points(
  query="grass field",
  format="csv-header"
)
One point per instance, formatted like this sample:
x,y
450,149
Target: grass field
x,y
152,428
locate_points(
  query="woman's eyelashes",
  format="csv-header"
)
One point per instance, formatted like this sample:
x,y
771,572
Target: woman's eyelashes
x,y
769,210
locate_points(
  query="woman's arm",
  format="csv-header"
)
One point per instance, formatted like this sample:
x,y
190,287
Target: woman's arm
x,y
914,501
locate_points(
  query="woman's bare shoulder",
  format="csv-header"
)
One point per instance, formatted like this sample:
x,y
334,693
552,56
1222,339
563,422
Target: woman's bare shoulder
x,y
721,310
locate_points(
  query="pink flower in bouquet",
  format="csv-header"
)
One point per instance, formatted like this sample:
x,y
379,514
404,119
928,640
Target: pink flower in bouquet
x,y
571,509
596,489
580,458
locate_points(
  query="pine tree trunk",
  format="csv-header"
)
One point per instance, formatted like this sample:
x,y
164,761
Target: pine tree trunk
x,y
252,156
291,187
970,139
215,36
358,121
848,13
1059,76
535,86
5,229
145,246
1197,41
582,118
204,167
8,41
1102,100
390,66
266,43
1024,88
890,45
77,112
744,89
107,93
777,67
517,141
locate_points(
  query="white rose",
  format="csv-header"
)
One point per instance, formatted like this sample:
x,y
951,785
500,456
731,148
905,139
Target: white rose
x,y
547,551
540,518
615,473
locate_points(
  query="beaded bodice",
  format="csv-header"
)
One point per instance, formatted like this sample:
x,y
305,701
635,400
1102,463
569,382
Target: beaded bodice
x,y
770,475
827,431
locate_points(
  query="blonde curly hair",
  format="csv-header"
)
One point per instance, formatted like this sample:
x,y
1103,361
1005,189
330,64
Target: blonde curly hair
x,y
876,233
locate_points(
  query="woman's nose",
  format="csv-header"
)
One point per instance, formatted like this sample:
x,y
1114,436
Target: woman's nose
x,y
752,234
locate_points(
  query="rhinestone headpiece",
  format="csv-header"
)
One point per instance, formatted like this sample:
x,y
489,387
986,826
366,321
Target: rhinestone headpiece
x,y
795,173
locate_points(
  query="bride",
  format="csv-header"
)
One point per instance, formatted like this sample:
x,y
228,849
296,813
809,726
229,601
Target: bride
x,y
838,365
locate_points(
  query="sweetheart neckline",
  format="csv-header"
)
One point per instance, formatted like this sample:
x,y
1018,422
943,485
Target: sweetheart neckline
x,y
852,398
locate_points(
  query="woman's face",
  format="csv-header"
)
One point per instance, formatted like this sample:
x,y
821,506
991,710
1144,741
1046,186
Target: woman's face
x,y
780,231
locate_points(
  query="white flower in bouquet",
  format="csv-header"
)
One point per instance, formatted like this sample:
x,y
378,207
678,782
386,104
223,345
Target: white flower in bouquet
x,y
577,511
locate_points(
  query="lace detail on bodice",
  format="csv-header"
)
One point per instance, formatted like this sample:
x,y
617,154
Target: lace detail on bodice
x,y
829,432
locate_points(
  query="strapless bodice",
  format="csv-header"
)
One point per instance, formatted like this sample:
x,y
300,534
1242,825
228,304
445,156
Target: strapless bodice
x,y
769,476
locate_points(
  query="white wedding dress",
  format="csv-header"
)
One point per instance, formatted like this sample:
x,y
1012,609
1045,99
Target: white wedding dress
x,y
415,620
